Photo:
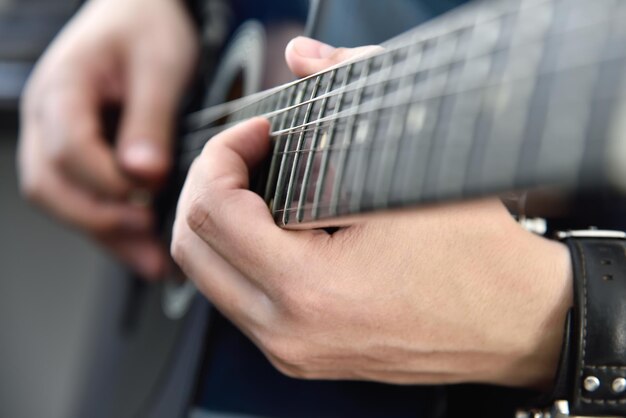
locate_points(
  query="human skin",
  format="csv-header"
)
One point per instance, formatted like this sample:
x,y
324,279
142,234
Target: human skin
x,y
136,54
445,294
457,293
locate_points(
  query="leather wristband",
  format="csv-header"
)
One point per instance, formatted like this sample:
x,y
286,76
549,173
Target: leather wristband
x,y
592,376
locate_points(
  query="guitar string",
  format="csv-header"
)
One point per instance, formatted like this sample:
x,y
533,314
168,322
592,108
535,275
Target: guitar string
x,y
410,38
354,85
304,128
374,80
595,63
249,100
368,144
428,31
379,103
503,147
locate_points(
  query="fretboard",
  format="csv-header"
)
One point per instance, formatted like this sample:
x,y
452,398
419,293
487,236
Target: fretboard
x,y
493,97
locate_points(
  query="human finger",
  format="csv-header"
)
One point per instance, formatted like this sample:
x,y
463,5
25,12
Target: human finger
x,y
306,56
48,188
67,124
155,86
124,229
234,295
220,209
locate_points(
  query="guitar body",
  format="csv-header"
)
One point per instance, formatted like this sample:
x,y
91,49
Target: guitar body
x,y
147,347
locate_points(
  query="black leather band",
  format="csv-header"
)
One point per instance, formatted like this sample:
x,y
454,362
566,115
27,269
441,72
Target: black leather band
x,y
597,345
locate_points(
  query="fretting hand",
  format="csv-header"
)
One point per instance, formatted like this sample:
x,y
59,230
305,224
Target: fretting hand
x,y
455,293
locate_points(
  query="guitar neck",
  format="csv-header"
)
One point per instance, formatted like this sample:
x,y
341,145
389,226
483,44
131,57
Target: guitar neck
x,y
493,97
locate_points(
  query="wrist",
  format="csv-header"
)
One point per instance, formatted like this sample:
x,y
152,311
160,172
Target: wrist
x,y
593,369
546,297
550,332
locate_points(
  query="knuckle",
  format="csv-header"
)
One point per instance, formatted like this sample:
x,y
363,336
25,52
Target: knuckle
x,y
60,153
292,355
177,248
289,371
177,252
302,305
198,215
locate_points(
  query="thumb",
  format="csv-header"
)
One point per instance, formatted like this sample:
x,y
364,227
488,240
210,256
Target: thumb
x,y
306,56
148,123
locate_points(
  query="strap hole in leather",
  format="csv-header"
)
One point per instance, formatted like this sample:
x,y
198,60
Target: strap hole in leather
x,y
607,277
606,262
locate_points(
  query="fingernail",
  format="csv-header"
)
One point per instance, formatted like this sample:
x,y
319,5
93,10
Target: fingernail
x,y
310,48
142,154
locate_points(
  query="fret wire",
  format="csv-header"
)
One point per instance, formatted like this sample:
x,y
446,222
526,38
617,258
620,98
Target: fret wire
x,y
329,143
207,116
588,126
345,89
364,156
291,107
347,140
314,140
483,126
242,114
214,130
371,108
265,105
421,100
420,35
296,159
330,121
608,79
282,171
536,117
319,124
276,121
273,170
441,134
421,130
253,110
292,209
595,102
390,46
396,129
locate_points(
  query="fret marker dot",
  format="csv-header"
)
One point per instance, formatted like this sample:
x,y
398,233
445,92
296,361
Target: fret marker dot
x,y
323,141
416,118
362,131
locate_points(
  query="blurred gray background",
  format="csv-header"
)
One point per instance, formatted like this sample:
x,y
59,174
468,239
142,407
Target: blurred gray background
x,y
44,299
79,335
44,303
